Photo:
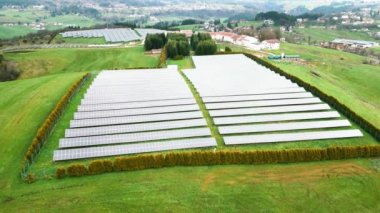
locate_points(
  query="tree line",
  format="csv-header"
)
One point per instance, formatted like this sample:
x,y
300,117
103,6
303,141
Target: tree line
x,y
177,45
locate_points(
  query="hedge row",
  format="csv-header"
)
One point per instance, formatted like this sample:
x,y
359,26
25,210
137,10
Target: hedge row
x,y
205,158
44,131
363,123
163,57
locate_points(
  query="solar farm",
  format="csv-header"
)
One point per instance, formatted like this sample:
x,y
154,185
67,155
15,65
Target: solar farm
x,y
112,35
135,111
153,110
244,97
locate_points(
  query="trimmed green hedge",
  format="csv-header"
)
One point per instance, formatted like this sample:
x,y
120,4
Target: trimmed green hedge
x,y
208,158
46,128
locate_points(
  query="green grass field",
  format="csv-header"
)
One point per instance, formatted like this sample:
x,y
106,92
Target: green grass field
x,y
340,74
331,186
30,15
14,31
51,61
194,27
186,63
318,35
250,23
59,39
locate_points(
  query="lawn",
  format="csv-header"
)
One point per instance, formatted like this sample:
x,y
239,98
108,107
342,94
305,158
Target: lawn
x,y
318,35
24,105
186,63
51,61
59,39
340,74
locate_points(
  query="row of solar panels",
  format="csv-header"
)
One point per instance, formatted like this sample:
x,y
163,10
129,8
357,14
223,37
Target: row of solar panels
x,y
112,35
249,99
118,111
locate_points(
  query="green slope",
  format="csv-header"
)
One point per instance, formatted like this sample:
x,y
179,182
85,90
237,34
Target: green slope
x,y
50,61
340,74
318,35
24,106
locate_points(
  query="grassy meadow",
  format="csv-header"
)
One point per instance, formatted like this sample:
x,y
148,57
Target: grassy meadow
x,y
59,39
52,61
340,74
318,35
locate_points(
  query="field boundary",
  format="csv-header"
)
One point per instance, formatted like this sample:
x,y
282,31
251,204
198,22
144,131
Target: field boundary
x,y
211,158
47,127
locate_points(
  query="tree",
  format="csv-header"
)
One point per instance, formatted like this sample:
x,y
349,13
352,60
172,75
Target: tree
x,y
197,37
183,48
207,47
171,48
266,34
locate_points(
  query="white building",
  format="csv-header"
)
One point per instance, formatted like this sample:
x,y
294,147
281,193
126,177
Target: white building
x,y
272,44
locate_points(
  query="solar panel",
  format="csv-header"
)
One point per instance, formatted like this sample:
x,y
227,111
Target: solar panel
x,y
116,129
133,137
137,99
282,126
264,110
133,105
103,151
274,118
287,137
134,119
256,97
138,111
257,92
110,35
230,105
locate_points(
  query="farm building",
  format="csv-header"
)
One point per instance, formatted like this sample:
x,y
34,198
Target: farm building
x,y
346,43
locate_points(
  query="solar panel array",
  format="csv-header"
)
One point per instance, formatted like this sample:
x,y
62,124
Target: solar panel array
x,y
248,102
135,111
112,35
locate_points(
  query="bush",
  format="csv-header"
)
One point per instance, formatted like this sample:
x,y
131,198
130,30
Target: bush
x,y
178,57
227,49
60,173
100,166
77,170
8,71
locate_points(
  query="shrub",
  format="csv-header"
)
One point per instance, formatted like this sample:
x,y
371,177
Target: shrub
x,y
227,49
100,166
60,173
178,57
77,170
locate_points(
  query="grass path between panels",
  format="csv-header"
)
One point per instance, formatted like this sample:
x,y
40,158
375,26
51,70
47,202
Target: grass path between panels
x,y
210,122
